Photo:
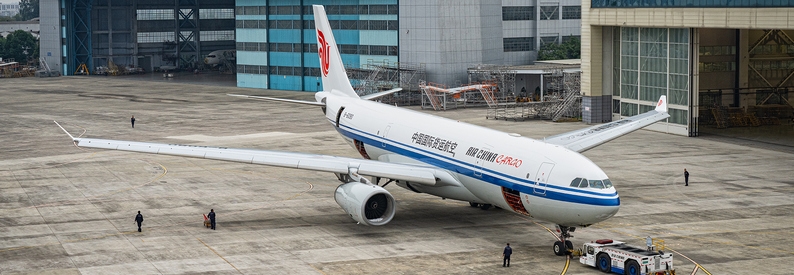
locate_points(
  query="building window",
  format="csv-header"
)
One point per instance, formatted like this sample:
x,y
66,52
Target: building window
x,y
688,4
378,9
549,12
654,62
348,49
519,44
284,10
628,109
155,14
348,24
251,10
616,106
565,39
571,12
216,35
678,116
155,37
518,13
548,40
378,50
216,14
378,25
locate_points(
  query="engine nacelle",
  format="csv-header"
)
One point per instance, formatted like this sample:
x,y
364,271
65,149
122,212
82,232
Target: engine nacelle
x,y
366,203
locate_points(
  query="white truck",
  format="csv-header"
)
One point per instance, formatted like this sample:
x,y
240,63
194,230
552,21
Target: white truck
x,y
618,257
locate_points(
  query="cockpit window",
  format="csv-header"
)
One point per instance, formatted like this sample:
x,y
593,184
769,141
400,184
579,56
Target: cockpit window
x,y
596,184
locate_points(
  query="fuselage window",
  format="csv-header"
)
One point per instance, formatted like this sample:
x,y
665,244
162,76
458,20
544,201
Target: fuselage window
x,y
596,184
607,184
575,182
583,184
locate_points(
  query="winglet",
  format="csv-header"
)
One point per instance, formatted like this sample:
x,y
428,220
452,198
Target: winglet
x,y
661,106
64,130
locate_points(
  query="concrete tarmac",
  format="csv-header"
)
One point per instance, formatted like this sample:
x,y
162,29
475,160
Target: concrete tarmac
x,y
68,210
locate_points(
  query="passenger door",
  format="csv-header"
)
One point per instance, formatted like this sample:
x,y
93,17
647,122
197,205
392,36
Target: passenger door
x,y
542,177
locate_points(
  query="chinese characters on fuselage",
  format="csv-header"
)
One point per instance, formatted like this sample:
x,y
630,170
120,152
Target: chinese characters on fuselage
x,y
432,142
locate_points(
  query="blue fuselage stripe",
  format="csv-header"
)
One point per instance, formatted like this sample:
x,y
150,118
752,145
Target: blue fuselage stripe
x,y
487,175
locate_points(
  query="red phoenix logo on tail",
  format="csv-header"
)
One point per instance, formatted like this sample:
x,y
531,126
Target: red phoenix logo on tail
x,y
324,51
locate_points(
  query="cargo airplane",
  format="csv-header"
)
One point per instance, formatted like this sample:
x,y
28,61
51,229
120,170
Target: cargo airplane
x,y
546,179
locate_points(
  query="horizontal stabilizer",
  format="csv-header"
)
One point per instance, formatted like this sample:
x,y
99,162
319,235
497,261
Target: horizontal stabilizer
x,y
314,103
380,94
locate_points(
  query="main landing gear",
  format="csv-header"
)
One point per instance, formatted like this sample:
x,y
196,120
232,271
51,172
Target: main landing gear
x,y
483,206
564,246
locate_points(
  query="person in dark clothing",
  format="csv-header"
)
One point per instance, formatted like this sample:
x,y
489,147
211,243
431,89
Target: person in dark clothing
x,y
686,177
508,251
211,215
139,220
132,120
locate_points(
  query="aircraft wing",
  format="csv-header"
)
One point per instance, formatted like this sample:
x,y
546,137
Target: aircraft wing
x,y
419,174
585,139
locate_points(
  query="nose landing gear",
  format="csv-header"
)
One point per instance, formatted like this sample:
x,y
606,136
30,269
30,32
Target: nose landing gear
x,y
564,246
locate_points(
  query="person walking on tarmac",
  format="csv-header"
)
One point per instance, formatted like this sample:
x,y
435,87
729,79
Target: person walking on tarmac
x,y
139,220
211,215
132,121
686,177
508,251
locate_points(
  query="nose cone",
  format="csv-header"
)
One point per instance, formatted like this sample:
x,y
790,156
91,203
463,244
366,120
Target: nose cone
x,y
609,209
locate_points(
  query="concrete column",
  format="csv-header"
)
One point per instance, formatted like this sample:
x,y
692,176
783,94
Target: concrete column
x,y
592,63
50,34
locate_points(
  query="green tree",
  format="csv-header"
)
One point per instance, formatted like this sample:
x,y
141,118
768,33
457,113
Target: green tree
x,y
2,47
571,49
19,45
28,9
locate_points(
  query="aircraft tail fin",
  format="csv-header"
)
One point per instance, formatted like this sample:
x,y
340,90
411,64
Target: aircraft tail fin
x,y
331,67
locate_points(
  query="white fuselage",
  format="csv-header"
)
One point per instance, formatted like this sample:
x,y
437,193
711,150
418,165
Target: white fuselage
x,y
520,174
216,57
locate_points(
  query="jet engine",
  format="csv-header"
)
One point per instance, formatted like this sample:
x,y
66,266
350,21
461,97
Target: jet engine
x,y
366,203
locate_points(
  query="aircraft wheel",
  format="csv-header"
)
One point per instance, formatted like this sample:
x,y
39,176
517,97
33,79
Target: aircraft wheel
x,y
474,204
485,206
604,262
632,268
559,248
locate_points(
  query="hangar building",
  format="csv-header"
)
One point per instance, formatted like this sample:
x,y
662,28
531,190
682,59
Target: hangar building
x,y
720,62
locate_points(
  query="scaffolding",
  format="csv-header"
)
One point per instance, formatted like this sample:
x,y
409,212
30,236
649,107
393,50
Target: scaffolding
x,y
379,76
561,100
440,97
502,75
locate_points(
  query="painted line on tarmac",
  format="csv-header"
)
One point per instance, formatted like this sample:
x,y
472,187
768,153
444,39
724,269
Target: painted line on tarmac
x,y
568,257
219,255
697,265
